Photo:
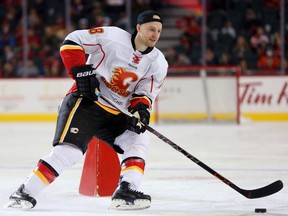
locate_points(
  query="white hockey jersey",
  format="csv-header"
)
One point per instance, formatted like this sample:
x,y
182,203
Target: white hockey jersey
x,y
121,70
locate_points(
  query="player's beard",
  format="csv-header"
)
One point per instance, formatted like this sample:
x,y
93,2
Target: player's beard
x,y
146,41
150,43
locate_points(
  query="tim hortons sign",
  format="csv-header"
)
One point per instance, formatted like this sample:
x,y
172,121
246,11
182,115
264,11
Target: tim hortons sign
x,y
264,94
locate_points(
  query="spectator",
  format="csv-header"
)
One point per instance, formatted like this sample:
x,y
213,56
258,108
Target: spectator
x,y
171,56
184,22
228,29
269,61
244,67
27,70
33,38
251,22
9,53
122,22
276,43
83,23
59,27
41,7
190,26
34,20
7,36
194,31
185,45
259,41
225,59
210,57
12,17
98,17
50,38
77,11
53,66
8,70
241,47
182,60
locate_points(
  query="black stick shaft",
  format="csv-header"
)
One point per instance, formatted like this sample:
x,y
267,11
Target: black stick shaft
x,y
191,157
251,194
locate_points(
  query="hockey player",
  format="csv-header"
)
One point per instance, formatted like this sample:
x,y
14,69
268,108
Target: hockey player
x,y
126,69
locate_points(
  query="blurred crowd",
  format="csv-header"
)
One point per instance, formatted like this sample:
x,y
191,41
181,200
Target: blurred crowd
x,y
47,29
239,32
246,38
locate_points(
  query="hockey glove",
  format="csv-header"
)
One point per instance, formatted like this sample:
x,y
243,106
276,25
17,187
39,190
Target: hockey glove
x,y
140,118
86,81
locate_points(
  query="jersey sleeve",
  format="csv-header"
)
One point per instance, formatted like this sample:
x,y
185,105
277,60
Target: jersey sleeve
x,y
72,55
77,44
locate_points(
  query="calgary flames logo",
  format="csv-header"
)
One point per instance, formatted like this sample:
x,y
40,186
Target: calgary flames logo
x,y
120,81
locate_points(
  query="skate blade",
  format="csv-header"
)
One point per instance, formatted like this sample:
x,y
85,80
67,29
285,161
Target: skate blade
x,y
19,204
120,204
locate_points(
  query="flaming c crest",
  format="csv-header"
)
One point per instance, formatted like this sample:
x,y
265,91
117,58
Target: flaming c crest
x,y
120,81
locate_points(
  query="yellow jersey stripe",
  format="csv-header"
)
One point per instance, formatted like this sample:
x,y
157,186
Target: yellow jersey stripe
x,y
70,47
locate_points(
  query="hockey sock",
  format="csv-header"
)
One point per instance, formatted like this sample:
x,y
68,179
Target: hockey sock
x,y
132,170
51,166
34,184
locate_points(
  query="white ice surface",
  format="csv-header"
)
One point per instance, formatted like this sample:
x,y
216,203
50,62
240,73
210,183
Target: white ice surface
x,y
251,155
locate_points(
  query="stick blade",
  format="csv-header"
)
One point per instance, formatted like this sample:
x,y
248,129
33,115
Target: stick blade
x,y
264,191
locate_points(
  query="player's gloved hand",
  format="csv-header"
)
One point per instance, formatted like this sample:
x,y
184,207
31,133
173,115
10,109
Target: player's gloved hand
x,y
140,118
86,81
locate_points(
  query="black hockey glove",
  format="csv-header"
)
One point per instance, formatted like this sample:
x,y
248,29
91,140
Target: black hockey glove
x,y
140,118
86,81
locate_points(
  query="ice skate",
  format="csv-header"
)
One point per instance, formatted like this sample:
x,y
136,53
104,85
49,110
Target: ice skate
x,y
20,199
125,198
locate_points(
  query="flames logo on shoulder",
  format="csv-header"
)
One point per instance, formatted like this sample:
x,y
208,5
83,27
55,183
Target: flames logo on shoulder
x,y
120,81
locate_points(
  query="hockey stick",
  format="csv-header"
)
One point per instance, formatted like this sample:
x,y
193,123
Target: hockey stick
x,y
250,194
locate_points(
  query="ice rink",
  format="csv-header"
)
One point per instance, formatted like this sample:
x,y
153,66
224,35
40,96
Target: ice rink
x,y
251,155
